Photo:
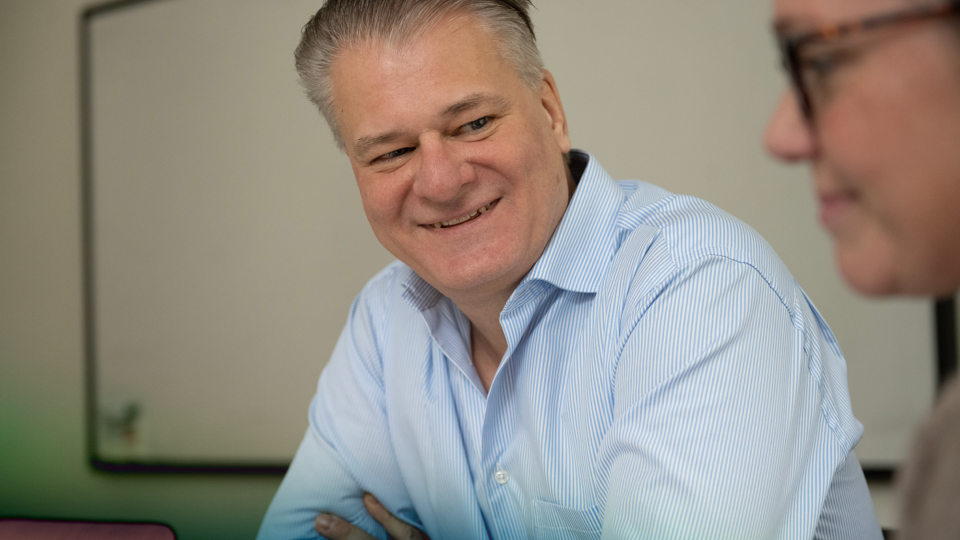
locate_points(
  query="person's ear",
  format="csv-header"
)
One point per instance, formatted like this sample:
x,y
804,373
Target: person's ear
x,y
553,107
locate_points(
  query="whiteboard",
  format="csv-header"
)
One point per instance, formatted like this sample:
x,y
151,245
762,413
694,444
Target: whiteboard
x,y
226,239
227,236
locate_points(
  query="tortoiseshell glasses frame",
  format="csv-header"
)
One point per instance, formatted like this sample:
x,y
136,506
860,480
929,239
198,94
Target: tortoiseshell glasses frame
x,y
790,46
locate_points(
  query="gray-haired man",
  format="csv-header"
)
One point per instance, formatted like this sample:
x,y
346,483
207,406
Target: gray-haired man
x,y
556,354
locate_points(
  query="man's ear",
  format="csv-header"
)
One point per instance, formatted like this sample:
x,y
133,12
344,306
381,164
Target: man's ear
x,y
553,107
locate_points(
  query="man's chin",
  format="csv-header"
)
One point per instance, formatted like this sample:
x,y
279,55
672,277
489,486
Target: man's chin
x,y
468,281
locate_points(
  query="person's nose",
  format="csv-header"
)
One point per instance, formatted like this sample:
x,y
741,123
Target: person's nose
x,y
789,135
442,171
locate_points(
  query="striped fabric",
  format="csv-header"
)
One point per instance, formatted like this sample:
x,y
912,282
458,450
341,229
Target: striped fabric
x,y
665,378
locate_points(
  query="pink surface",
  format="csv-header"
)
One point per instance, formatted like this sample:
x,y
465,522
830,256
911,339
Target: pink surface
x,y
28,529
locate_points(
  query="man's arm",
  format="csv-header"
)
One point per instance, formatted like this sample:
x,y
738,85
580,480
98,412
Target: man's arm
x,y
347,449
335,528
738,428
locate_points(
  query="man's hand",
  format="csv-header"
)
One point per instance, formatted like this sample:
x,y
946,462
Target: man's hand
x,y
335,528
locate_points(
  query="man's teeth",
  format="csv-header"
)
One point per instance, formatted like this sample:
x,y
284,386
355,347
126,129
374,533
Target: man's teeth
x,y
441,224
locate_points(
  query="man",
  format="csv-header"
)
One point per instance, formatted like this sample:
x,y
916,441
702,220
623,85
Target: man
x,y
556,354
875,110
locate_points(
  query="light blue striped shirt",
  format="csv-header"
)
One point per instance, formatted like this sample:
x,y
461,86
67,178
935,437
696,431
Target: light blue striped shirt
x,y
666,377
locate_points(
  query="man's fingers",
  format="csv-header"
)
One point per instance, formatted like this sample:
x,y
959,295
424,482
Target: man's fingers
x,y
334,528
396,528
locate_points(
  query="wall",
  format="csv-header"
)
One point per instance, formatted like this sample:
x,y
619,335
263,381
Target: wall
x,y
43,472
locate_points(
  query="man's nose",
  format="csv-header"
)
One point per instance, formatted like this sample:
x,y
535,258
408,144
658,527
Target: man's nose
x,y
789,136
443,170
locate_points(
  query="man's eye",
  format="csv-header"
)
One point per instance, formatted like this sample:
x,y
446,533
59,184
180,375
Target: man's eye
x,y
476,125
395,154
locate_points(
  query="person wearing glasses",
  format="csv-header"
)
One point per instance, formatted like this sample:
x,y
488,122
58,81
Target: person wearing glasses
x,y
555,354
874,109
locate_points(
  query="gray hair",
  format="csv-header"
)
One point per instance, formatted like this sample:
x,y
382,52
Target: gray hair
x,y
342,24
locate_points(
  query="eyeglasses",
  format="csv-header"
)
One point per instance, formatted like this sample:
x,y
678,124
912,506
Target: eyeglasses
x,y
803,68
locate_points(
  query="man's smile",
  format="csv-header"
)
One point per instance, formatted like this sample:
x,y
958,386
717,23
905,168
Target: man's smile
x,y
466,218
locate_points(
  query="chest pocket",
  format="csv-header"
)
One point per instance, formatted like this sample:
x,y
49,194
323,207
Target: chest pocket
x,y
552,521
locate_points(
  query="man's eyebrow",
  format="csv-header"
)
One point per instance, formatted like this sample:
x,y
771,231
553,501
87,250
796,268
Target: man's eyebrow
x,y
364,144
471,102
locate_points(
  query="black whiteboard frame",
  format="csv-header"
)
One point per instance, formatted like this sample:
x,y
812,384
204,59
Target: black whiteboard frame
x,y
96,461
946,323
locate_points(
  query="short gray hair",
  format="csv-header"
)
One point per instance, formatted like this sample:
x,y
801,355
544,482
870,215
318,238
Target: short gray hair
x,y
342,24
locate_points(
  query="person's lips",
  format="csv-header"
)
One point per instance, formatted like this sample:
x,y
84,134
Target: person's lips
x,y
835,207
469,216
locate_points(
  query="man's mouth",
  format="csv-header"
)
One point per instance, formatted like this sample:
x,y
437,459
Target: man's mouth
x,y
466,218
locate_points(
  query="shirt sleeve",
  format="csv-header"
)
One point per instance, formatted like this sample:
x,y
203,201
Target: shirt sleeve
x,y
346,450
731,415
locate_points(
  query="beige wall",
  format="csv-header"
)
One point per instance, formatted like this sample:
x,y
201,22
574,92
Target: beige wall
x,y
42,462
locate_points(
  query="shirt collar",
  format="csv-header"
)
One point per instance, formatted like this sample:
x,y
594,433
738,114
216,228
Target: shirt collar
x,y
417,292
577,256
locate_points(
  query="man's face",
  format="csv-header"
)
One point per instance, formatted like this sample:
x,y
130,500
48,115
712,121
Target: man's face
x,y
884,147
460,165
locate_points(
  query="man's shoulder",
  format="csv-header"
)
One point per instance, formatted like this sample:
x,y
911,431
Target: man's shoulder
x,y
690,226
393,274
388,304
687,230
388,285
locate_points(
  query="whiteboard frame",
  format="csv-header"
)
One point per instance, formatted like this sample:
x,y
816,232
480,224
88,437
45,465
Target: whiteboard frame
x,y
95,457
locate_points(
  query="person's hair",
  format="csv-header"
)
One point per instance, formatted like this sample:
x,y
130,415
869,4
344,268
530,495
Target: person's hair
x,y
342,24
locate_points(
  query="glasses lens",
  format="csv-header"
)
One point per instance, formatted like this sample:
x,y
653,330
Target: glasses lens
x,y
789,60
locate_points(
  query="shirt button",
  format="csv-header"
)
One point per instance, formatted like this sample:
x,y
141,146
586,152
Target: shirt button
x,y
502,477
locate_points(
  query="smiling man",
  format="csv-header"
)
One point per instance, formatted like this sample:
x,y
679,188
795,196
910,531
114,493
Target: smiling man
x,y
556,354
